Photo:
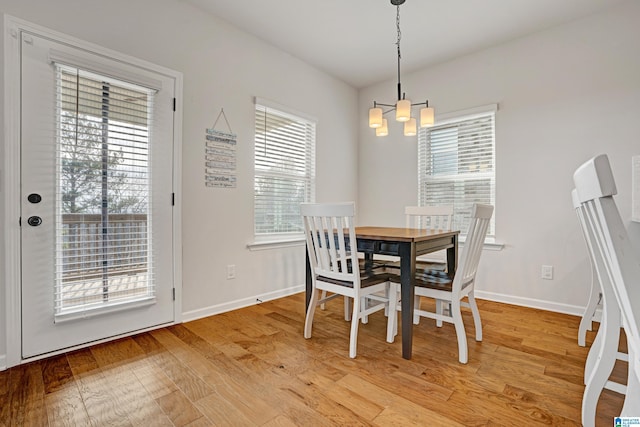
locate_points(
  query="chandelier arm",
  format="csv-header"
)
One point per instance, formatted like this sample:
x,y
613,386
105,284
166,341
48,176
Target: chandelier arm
x,y
385,105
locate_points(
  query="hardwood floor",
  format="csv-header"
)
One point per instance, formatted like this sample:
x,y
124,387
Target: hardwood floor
x,y
252,367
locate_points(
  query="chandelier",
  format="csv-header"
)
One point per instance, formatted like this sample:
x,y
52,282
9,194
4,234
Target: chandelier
x,y
403,106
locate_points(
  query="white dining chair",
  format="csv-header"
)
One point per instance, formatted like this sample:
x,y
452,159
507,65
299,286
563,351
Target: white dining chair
x,y
604,349
427,218
618,265
439,286
331,244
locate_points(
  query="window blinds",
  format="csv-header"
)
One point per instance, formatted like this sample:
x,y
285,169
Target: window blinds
x,y
284,170
457,166
103,246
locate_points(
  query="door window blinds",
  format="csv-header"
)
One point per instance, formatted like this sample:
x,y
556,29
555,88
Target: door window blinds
x,y
103,221
284,170
457,166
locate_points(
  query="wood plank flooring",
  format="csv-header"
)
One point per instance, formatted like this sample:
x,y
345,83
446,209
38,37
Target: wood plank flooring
x,y
252,367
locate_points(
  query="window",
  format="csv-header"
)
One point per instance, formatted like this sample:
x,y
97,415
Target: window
x,y
284,170
456,164
103,191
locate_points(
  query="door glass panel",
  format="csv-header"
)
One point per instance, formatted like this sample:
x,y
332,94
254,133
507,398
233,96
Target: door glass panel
x,y
103,190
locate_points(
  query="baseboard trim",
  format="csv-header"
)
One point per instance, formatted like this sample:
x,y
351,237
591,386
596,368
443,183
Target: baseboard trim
x,y
574,310
241,303
245,302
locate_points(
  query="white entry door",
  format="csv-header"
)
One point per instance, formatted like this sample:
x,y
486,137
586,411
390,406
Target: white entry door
x,y
96,196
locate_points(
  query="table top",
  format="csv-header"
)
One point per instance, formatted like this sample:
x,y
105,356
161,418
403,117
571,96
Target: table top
x,y
402,234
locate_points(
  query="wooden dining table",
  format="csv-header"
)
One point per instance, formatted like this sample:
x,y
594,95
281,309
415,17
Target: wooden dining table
x,y
407,244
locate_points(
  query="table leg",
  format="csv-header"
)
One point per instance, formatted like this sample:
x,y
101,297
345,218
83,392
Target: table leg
x,y
452,257
407,252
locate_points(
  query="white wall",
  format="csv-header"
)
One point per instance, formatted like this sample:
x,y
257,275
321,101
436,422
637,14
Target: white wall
x,y
223,67
564,95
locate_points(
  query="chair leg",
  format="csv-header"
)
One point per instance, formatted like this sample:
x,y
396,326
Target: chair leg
x,y
392,319
388,291
586,323
322,297
355,319
632,398
476,315
439,309
363,307
605,358
308,322
416,305
460,333
347,308
594,352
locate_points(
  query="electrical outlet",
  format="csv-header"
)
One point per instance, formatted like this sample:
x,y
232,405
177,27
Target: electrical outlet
x,y
547,272
231,271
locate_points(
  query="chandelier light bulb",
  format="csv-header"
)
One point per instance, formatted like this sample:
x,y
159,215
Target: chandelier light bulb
x,y
375,117
382,130
410,128
403,110
426,117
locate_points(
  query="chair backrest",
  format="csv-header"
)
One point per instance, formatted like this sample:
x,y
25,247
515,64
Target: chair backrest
x,y
429,217
473,244
587,232
589,238
329,230
595,188
586,220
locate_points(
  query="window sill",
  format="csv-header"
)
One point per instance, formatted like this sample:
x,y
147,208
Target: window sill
x,y
489,245
262,245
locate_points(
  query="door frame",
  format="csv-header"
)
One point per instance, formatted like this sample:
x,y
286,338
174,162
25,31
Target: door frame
x,y
10,181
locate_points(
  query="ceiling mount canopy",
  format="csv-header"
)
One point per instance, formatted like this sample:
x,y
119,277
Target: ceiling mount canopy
x,y
403,106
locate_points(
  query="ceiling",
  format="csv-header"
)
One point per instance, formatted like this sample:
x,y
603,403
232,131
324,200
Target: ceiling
x,y
354,40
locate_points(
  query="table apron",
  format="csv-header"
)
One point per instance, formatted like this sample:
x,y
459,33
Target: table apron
x,y
373,246
434,245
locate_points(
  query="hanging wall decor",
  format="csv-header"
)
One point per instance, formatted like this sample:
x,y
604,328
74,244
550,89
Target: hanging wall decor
x,y
220,156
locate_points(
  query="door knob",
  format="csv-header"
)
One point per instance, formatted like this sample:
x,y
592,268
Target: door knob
x,y
34,221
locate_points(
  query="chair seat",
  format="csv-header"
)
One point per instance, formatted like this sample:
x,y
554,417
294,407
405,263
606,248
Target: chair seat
x,y
433,279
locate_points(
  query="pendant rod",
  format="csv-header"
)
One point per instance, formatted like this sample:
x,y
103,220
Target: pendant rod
x,y
398,45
